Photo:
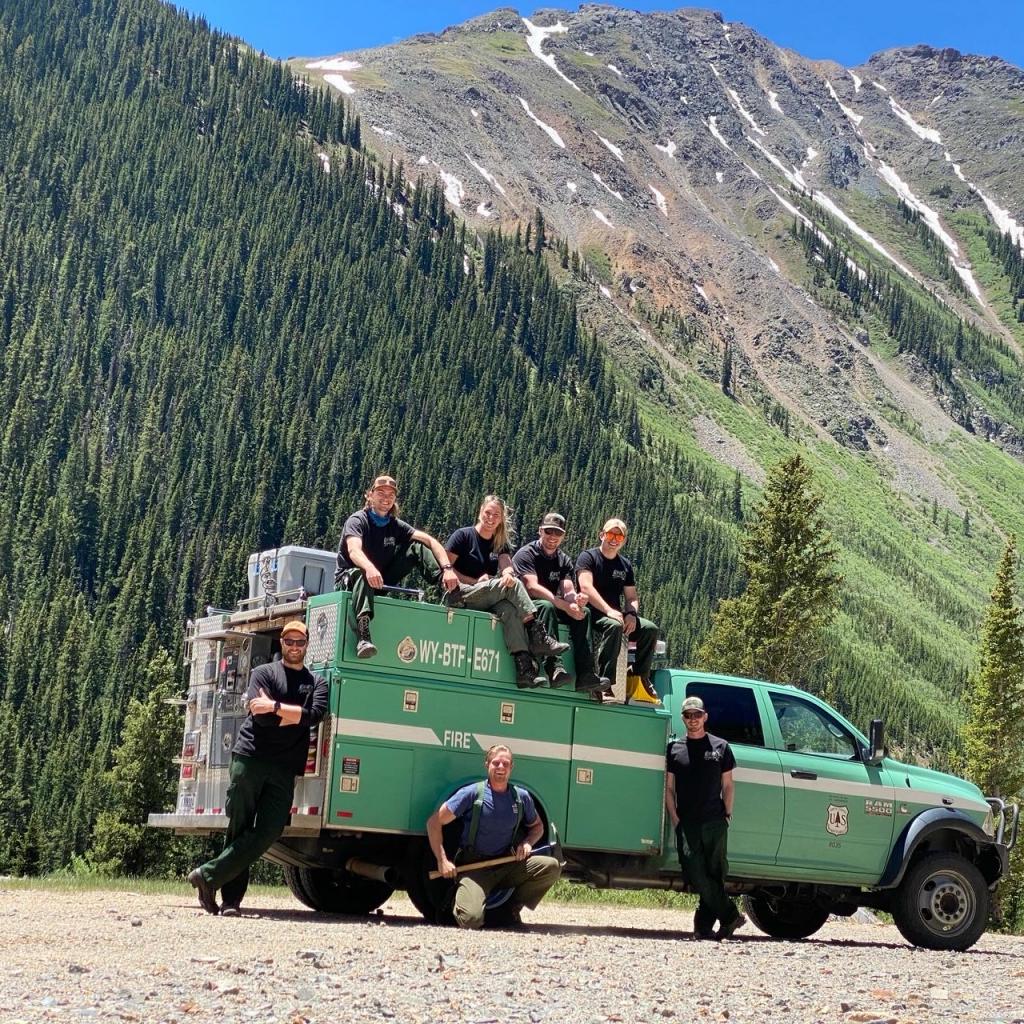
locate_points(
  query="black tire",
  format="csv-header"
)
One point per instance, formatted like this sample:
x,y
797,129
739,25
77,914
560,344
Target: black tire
x,y
431,898
942,903
784,919
336,891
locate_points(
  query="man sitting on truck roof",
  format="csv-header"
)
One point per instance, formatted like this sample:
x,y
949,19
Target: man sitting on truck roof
x,y
499,822
285,701
606,577
546,572
377,549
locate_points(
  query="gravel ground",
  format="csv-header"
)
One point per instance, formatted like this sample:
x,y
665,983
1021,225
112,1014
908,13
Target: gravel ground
x,y
129,957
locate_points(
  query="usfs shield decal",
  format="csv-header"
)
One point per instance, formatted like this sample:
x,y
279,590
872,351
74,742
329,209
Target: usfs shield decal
x,y
838,820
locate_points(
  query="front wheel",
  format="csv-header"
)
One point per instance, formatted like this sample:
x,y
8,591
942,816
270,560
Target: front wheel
x,y
784,919
336,891
942,903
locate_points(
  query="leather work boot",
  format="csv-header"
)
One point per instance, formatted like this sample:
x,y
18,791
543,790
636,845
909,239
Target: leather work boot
x,y
527,676
542,643
590,681
207,894
365,648
557,673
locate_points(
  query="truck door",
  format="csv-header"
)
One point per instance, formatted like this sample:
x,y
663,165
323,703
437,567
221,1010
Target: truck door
x,y
759,799
617,780
839,811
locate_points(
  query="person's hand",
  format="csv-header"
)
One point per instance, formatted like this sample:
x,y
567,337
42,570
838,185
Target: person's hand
x,y
508,580
574,611
616,616
630,621
580,600
261,704
523,850
374,579
482,579
446,867
449,579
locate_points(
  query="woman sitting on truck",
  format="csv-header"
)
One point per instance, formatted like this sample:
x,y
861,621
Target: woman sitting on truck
x,y
482,560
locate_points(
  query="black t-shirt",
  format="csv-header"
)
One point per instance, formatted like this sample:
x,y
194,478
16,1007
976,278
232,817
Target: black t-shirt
x,y
611,575
698,766
263,736
550,570
476,556
380,543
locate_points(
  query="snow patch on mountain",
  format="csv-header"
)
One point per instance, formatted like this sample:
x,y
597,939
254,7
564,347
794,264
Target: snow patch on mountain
x,y
851,114
341,83
857,82
612,148
535,41
602,218
571,186
325,160
928,134
334,64
719,177
485,174
669,148
604,184
931,218
1002,218
546,128
773,101
794,177
743,111
612,67
484,210
453,190
827,204
660,200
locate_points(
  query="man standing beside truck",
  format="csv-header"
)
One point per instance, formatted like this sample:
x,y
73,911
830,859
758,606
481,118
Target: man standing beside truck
x,y
499,820
377,549
698,797
606,579
286,700
546,571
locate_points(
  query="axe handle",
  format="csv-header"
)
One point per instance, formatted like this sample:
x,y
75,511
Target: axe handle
x,y
493,862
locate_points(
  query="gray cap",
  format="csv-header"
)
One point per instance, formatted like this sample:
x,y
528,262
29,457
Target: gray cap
x,y
693,704
553,521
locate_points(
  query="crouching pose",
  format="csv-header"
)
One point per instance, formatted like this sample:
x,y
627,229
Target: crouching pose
x,y
377,549
487,582
498,819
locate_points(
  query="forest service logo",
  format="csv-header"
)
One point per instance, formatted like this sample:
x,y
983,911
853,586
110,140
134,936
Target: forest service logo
x,y
406,650
838,820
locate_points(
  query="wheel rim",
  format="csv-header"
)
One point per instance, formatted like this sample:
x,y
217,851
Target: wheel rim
x,y
946,902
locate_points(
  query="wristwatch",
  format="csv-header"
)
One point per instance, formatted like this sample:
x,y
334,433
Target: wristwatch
x,y
277,706
446,568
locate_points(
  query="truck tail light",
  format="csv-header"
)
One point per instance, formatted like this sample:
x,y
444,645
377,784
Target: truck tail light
x,y
188,771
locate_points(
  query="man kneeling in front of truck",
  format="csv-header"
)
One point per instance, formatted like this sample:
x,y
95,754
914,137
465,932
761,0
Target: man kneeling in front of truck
x,y
499,820
285,701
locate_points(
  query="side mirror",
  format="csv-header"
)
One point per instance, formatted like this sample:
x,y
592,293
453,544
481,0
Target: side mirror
x,y
876,743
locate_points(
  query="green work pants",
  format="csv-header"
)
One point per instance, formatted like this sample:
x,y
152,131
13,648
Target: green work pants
x,y
608,640
579,633
511,606
703,857
531,879
258,806
414,557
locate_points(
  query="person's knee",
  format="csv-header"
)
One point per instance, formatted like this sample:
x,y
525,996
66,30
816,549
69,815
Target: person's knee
x,y
468,917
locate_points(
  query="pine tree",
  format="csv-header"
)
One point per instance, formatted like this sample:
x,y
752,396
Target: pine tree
x,y
773,630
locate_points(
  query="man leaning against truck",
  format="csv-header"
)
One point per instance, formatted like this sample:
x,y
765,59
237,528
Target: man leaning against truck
x,y
377,549
698,798
498,820
285,701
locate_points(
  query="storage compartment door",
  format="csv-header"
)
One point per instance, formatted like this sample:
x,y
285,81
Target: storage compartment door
x,y
370,786
617,780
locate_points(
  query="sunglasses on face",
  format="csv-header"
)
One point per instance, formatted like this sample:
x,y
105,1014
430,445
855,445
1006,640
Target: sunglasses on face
x,y
615,535
294,641
693,714
501,764
549,533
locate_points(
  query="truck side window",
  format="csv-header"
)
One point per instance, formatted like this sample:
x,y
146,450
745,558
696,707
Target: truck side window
x,y
732,712
807,729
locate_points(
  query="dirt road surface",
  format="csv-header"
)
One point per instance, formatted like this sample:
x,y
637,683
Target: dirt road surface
x,y
118,956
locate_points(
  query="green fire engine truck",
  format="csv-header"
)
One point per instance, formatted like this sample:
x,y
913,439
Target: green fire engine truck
x,y
823,821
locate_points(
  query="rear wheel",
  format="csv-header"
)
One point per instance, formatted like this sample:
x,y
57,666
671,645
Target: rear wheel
x,y
784,919
942,903
336,891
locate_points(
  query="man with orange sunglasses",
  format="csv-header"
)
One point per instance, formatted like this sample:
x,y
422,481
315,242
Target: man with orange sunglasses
x,y
606,577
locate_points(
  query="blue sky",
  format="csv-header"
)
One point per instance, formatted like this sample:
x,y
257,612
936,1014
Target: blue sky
x,y
848,31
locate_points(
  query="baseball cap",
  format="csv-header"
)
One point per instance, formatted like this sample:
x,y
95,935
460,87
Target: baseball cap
x,y
693,704
385,481
295,626
553,521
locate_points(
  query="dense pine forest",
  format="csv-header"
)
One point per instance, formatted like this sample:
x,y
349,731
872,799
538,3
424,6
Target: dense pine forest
x,y
218,319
